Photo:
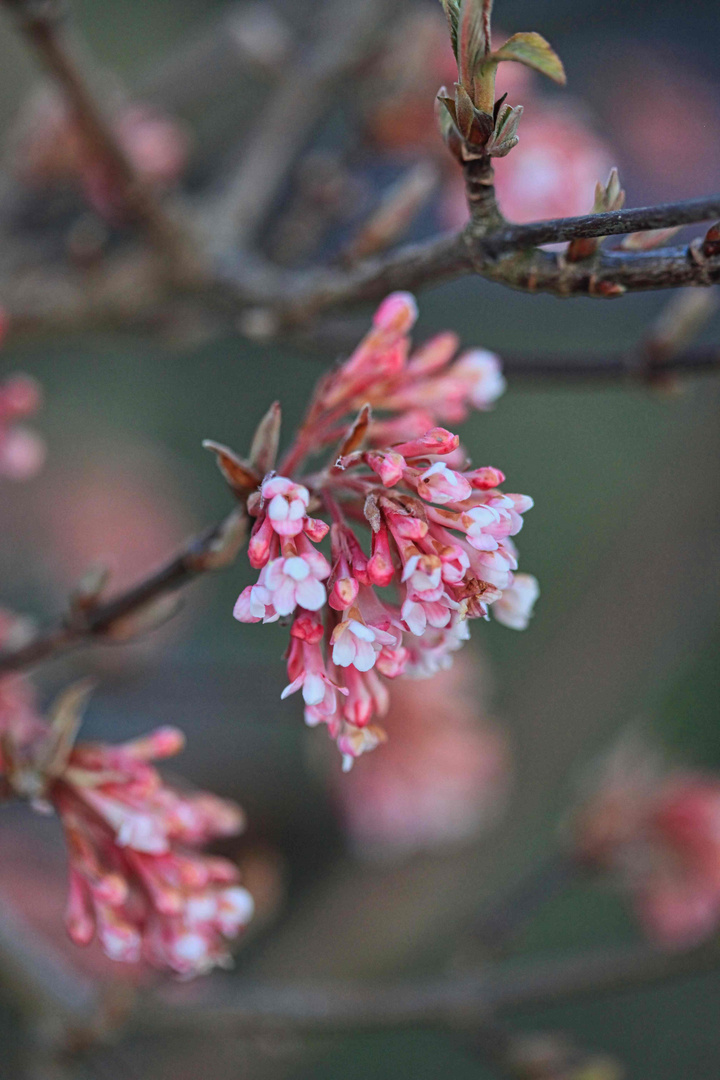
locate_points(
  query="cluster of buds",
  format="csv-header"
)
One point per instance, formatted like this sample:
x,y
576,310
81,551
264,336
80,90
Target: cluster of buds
x,y
137,881
22,452
471,120
658,831
440,550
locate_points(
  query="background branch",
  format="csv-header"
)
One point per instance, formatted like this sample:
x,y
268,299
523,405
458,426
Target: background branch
x,y
639,365
212,550
304,92
42,28
457,1001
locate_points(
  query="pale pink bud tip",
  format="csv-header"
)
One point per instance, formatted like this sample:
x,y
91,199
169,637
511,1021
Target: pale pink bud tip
x,y
398,313
22,454
162,743
482,370
514,609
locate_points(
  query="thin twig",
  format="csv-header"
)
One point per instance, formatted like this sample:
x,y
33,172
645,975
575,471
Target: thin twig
x,y
516,237
211,550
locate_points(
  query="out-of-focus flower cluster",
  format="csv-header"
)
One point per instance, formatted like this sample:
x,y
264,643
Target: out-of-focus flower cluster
x,y
658,831
441,549
137,880
22,452
442,777
50,151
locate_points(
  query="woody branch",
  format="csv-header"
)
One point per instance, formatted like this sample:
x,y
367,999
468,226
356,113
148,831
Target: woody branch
x,y
42,27
280,301
462,1000
90,620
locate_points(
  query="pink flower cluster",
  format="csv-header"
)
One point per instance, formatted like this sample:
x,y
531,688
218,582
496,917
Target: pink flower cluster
x,y
440,548
137,880
22,452
660,834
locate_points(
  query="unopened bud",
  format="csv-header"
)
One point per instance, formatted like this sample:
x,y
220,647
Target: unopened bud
x,y
711,243
649,239
398,208
607,289
397,313
608,197
90,588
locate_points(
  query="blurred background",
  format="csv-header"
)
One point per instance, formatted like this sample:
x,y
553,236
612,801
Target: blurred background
x,y
364,876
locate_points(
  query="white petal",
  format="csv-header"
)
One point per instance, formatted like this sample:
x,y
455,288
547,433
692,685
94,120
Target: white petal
x,y
292,687
278,508
343,650
314,689
311,594
360,630
284,598
365,656
296,568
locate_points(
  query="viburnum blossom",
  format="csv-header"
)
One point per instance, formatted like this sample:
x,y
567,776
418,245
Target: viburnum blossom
x,y
22,452
659,832
440,550
137,881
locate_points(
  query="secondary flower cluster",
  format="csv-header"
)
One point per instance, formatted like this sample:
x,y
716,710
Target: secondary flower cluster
x,y
442,777
659,832
22,452
50,152
136,878
440,549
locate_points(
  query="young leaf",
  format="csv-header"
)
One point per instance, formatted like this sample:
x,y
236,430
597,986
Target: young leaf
x,y
533,51
504,137
444,99
464,111
239,474
472,43
452,10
